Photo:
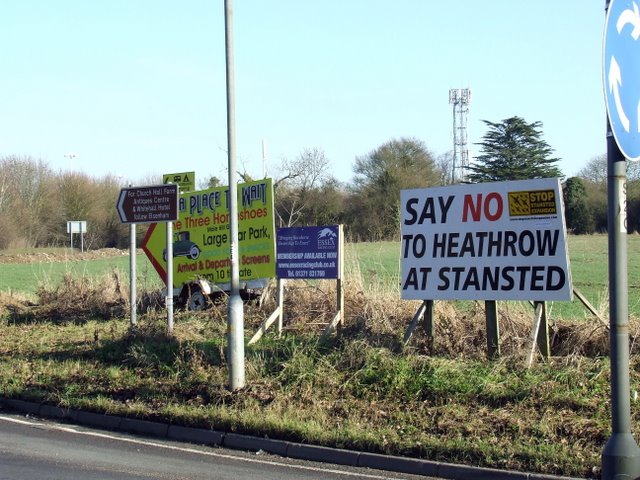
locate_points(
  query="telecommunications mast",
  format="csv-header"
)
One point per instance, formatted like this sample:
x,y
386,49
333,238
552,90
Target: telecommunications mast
x,y
460,98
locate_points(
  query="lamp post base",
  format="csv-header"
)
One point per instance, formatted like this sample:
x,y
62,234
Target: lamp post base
x,y
621,458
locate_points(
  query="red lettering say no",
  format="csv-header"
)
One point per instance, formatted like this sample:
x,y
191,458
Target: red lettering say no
x,y
491,206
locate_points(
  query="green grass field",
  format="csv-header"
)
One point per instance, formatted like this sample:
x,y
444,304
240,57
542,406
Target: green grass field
x,y
379,263
27,277
373,265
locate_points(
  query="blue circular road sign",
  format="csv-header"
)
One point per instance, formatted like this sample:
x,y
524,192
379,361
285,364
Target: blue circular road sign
x,y
621,68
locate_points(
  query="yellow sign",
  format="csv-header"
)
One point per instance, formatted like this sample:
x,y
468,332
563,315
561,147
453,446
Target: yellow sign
x,y
186,181
532,202
201,242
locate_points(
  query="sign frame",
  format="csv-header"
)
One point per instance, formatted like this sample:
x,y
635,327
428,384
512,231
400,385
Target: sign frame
x,y
203,222
485,241
308,252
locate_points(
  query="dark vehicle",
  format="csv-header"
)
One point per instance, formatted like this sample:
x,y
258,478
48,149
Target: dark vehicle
x,y
183,247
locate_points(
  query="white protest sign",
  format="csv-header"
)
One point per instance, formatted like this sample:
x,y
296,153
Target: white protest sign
x,y
486,241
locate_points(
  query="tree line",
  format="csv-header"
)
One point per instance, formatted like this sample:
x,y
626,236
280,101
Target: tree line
x,y
37,201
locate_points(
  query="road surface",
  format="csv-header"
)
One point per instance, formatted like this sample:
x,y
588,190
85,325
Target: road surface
x,y
33,448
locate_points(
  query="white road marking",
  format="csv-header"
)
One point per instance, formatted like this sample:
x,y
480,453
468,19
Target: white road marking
x,y
186,449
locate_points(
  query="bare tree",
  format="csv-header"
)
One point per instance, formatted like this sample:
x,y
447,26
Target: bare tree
x,y
595,170
4,188
29,197
308,172
7,227
444,164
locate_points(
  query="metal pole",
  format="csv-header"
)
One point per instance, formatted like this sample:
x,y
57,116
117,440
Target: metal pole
x,y
132,276
621,454
235,321
340,280
169,297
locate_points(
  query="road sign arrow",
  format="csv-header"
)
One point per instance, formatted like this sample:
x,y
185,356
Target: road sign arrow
x,y
153,254
615,82
120,206
631,17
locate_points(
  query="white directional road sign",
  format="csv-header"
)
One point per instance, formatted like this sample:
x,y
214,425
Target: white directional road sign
x,y
621,68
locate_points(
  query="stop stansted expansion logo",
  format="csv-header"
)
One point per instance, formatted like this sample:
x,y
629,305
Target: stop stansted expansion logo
x,y
536,202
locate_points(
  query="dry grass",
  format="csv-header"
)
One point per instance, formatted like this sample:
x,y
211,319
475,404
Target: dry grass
x,y
381,318
14,305
83,298
376,315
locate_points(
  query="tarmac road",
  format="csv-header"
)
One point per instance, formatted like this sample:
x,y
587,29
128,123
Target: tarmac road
x,y
34,448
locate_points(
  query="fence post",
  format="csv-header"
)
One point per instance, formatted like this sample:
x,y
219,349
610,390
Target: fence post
x,y
493,331
428,322
542,338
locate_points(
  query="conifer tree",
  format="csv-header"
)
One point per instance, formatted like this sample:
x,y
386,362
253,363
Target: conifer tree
x,y
579,218
513,150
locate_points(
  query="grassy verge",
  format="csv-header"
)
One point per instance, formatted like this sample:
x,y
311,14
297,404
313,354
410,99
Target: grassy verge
x,y
355,394
361,390
364,390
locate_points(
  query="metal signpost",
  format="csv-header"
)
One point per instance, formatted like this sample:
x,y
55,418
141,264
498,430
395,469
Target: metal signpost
x,y
151,204
133,280
235,321
621,69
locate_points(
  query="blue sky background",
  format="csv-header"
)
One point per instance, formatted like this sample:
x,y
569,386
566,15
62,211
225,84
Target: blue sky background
x,y
137,87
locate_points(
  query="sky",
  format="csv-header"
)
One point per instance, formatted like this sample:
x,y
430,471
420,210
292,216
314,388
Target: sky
x,y
136,88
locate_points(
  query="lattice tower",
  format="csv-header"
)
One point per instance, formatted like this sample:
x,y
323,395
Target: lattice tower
x,y
460,98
